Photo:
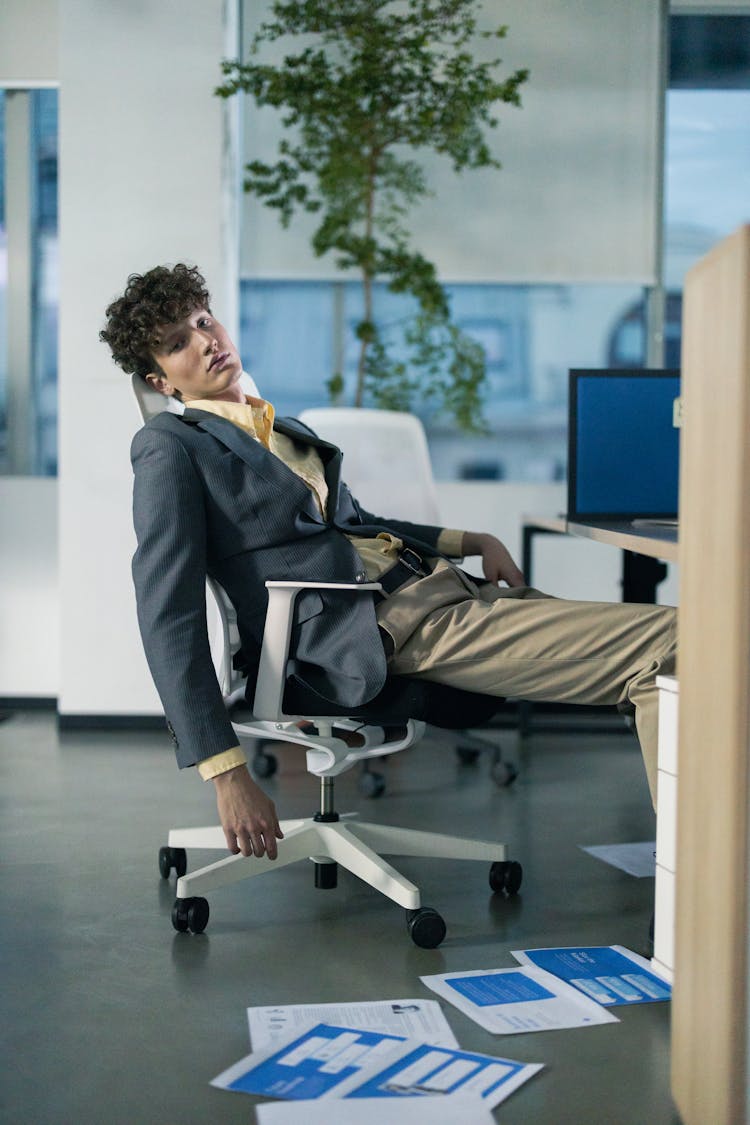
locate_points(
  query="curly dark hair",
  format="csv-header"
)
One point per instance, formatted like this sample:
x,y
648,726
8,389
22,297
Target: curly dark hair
x,y
164,295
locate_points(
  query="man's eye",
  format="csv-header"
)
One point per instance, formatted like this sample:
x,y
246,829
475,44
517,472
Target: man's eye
x,y
176,346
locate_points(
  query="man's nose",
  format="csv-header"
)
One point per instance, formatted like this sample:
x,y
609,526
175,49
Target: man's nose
x,y
210,343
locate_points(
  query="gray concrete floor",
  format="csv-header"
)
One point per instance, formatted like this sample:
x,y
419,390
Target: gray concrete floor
x,y
110,1016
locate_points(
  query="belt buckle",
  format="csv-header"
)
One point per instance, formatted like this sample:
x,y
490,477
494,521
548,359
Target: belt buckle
x,y
408,563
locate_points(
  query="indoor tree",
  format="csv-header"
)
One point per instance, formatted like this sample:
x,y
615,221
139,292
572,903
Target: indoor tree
x,y
364,86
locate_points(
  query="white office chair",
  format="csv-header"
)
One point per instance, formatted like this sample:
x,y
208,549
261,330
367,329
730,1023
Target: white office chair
x,y
326,838
387,466
386,459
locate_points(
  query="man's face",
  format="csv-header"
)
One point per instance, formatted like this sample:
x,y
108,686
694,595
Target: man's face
x,y
196,357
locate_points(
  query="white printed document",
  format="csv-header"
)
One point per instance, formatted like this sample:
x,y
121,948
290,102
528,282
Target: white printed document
x,y
509,1001
609,974
415,1019
636,859
369,1111
330,1062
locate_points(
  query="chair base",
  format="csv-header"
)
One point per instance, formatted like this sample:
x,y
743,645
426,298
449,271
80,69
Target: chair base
x,y
354,844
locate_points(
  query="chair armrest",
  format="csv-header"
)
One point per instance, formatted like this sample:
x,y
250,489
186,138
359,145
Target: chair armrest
x,y
269,688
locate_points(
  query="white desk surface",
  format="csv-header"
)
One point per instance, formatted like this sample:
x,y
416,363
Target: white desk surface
x,y
657,542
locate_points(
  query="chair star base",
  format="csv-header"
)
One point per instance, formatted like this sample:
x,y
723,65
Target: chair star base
x,y
356,845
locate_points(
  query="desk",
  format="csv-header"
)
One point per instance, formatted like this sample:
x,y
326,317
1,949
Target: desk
x,y
645,549
653,542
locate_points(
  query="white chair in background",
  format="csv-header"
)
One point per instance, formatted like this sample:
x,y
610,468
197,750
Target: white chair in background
x,y
387,466
386,459
326,838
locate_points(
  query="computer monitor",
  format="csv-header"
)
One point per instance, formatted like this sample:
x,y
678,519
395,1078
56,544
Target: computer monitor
x,y
623,444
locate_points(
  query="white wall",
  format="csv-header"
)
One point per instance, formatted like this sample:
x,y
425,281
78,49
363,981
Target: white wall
x,y
145,178
28,42
29,602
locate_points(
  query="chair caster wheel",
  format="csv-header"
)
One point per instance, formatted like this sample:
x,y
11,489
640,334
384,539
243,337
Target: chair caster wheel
x,y
264,764
504,773
426,927
190,914
506,876
172,858
371,784
467,755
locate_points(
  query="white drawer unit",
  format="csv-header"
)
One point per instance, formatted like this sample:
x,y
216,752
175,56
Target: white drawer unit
x,y
666,827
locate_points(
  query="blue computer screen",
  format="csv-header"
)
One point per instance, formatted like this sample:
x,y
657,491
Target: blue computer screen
x,y
624,446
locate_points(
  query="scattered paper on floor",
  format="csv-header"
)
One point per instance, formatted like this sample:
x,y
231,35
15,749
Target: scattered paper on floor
x,y
511,1001
410,1018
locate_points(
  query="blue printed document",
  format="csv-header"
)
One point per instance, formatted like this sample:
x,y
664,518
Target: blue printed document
x,y
343,1062
609,974
509,1001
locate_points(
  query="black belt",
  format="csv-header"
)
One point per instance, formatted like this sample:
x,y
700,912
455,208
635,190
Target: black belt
x,y
408,565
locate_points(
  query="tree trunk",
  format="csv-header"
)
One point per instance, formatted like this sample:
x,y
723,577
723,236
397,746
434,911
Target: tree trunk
x,y
367,276
364,343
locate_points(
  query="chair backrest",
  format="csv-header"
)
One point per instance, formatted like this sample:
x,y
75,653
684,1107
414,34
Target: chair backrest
x,y
386,459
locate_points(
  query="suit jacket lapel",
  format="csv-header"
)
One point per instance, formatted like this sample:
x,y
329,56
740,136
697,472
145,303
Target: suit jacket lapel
x,y
260,460
252,452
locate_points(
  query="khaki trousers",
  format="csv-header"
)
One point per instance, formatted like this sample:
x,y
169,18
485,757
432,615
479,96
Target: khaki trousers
x,y
521,643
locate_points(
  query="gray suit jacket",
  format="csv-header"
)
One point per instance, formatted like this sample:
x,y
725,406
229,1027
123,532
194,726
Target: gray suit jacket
x,y
209,500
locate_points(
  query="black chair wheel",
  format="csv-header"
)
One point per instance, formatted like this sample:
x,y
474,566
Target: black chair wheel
x,y
506,877
264,764
467,755
190,914
504,773
172,858
426,927
371,784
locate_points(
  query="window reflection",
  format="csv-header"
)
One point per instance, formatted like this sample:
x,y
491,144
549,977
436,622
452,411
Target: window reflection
x,y
37,383
45,283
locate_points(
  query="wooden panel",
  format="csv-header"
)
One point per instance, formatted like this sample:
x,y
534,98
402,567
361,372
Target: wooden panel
x,y
709,1029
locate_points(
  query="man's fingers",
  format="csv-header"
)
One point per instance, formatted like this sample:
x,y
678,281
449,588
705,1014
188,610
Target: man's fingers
x,y
252,842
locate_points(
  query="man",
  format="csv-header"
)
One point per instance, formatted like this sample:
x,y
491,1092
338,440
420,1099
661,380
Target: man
x,y
228,490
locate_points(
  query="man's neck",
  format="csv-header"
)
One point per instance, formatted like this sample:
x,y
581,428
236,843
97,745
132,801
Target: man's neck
x,y
231,394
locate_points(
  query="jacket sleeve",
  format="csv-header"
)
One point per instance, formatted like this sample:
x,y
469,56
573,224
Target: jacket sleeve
x,y
169,572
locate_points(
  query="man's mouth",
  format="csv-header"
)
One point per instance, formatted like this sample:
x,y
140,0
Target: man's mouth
x,y
219,359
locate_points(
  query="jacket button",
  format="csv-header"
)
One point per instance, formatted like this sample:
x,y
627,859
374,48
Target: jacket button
x,y
360,577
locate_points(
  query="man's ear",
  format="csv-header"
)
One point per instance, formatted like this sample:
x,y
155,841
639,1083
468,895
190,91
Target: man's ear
x,y
159,383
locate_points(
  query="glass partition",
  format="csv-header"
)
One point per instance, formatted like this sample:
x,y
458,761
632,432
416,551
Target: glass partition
x,y
28,282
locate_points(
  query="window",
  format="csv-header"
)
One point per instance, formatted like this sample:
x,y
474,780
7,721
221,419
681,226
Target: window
x,y
531,336
28,282
707,159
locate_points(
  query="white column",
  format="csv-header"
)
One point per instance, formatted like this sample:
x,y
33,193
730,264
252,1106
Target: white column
x,y
146,177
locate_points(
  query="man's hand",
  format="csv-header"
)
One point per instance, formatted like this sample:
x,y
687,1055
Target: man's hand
x,y
497,564
247,814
